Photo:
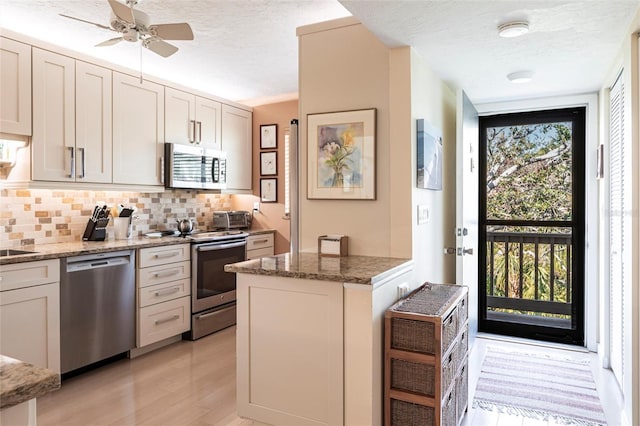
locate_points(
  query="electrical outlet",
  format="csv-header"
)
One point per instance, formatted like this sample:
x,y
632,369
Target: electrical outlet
x,y
256,206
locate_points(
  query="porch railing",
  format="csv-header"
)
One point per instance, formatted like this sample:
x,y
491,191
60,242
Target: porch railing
x,y
529,273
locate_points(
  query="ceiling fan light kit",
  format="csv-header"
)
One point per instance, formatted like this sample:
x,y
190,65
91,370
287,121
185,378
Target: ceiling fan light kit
x,y
134,25
513,29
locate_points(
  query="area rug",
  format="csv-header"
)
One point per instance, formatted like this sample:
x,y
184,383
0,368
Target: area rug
x,y
538,386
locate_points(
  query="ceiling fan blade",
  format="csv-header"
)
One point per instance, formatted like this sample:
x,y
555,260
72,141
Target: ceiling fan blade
x,y
160,47
87,22
109,42
181,31
123,12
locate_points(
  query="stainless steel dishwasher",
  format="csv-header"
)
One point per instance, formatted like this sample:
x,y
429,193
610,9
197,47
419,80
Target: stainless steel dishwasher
x,y
97,307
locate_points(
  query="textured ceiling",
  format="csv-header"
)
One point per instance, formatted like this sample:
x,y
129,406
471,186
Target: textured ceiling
x,y
570,47
247,49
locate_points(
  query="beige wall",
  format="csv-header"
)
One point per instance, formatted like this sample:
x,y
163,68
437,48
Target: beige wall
x,y
271,214
344,67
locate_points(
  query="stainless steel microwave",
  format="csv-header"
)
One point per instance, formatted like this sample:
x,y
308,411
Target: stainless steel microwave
x,y
193,167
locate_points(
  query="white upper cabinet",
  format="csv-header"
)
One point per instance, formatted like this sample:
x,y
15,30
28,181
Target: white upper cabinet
x,y
93,123
53,141
15,81
191,119
138,131
71,120
237,143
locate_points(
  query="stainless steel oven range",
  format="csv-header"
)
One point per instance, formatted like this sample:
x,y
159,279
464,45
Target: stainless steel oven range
x,y
213,291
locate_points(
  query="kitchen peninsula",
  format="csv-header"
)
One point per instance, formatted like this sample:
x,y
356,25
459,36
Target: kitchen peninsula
x,y
20,384
310,336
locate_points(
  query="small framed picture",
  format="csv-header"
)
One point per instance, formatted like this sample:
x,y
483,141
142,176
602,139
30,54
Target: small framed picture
x,y
269,190
268,136
269,163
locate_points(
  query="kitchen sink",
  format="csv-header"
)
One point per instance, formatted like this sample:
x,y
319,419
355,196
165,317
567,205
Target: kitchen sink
x,y
13,252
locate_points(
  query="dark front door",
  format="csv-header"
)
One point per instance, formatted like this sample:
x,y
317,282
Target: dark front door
x,y
531,248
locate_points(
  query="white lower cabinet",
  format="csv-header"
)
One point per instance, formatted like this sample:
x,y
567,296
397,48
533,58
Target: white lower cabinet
x,y
30,312
164,293
166,319
259,245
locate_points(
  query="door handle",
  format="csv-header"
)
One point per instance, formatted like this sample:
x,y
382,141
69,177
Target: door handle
x,y
449,250
462,251
72,150
82,163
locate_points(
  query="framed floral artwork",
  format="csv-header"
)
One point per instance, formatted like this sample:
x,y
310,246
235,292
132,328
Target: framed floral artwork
x,y
269,190
268,136
342,155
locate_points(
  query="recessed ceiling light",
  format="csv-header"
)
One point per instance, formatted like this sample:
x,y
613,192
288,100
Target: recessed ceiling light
x,y
513,29
520,77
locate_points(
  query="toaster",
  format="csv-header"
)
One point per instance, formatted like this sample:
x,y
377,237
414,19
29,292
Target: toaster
x,y
232,219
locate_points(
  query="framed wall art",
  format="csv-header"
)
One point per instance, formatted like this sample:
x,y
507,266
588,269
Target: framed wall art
x,y
269,190
268,136
341,155
269,163
429,156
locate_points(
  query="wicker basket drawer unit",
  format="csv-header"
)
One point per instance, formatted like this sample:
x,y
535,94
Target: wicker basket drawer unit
x,y
425,345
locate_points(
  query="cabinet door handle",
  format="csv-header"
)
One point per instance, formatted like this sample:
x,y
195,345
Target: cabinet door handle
x,y
73,162
162,170
166,273
164,320
167,291
199,131
82,163
166,254
192,131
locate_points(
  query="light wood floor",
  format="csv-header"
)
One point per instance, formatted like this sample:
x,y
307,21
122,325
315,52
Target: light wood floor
x,y
193,383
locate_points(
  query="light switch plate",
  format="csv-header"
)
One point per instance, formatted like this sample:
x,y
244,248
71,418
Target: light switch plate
x,y
256,206
423,215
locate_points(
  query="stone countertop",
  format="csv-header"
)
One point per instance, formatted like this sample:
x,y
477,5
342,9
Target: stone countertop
x,y
21,381
76,248
347,269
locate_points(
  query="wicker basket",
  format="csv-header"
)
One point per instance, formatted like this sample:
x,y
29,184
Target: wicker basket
x,y
449,369
449,330
463,345
407,414
463,310
462,390
411,376
449,412
415,336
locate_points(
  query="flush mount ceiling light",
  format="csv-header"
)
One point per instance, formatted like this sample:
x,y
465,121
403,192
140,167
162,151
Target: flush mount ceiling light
x,y
520,77
513,29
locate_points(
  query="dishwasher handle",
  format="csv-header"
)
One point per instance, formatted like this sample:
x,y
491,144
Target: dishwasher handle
x,y
97,263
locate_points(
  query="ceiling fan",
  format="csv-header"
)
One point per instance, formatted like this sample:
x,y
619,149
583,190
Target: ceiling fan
x,y
134,25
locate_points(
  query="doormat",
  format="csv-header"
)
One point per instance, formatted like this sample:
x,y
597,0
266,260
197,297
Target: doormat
x,y
540,387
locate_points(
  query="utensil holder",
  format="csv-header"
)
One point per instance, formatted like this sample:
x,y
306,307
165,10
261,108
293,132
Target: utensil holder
x,y
122,228
95,230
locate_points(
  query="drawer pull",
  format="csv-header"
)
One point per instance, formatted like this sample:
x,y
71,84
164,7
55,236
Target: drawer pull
x,y
166,273
171,318
167,291
167,254
260,241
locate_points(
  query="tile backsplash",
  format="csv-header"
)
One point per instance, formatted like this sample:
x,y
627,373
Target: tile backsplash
x,y
41,216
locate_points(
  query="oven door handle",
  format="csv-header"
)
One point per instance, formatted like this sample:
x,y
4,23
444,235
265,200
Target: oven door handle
x,y
216,246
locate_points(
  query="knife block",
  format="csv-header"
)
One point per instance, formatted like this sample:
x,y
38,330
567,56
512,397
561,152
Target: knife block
x,y
96,229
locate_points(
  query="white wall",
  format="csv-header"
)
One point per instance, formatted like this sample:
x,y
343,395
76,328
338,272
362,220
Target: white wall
x,y
435,102
627,60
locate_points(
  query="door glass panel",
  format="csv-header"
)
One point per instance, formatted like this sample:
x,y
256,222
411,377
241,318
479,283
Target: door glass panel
x,y
529,173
